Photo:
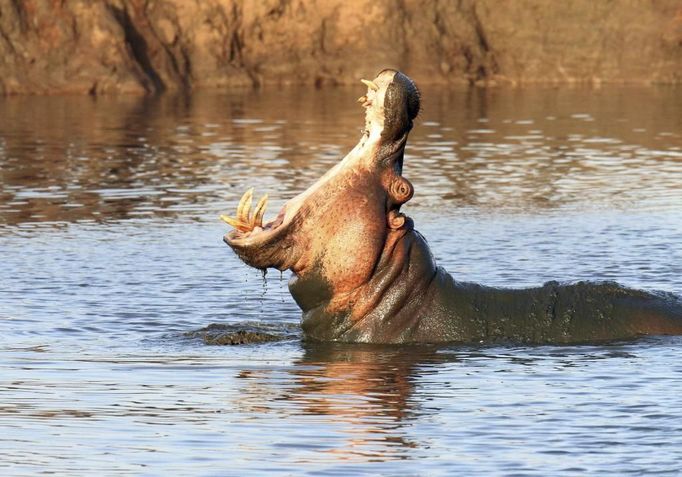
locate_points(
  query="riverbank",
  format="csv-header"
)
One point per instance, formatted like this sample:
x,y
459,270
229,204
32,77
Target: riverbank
x,y
135,46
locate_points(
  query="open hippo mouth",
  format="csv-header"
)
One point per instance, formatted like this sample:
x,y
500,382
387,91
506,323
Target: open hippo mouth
x,y
249,230
371,171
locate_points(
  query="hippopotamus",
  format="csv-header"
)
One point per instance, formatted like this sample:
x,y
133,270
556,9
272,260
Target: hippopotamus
x,y
362,273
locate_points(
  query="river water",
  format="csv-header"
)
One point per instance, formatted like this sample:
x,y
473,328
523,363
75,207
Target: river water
x,y
111,252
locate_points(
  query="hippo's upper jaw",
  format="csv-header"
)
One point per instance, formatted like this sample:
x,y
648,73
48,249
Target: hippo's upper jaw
x,y
354,201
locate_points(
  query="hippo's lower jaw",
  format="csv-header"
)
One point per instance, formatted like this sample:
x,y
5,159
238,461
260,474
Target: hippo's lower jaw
x,y
258,244
363,274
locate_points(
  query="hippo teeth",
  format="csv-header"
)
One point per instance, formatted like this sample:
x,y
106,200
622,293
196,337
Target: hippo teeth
x,y
366,102
244,206
370,84
244,221
257,220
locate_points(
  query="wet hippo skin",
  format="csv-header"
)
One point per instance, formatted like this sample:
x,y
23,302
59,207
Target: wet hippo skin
x,y
362,273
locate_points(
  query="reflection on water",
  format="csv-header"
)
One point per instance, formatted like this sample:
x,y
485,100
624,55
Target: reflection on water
x,y
366,390
74,158
340,409
65,159
110,253
447,405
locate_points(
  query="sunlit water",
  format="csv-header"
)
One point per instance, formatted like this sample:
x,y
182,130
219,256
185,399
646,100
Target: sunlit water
x,y
110,251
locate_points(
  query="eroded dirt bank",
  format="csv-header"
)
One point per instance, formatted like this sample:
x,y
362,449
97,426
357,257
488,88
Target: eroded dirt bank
x,y
106,46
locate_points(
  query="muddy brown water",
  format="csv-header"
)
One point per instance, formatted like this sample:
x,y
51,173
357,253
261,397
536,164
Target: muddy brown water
x,y
111,252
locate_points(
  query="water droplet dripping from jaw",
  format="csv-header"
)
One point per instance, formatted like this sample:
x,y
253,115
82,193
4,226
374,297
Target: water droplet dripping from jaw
x,y
264,273
281,280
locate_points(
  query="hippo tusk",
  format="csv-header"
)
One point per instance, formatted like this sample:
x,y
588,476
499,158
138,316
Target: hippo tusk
x,y
235,223
370,84
244,206
244,221
257,220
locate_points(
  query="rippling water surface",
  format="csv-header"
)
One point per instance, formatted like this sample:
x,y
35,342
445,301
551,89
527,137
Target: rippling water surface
x,y
111,252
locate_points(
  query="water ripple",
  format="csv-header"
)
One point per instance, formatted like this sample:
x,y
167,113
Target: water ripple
x,y
111,254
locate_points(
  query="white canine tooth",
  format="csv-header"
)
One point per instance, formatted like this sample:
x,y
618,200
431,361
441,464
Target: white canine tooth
x,y
370,84
257,220
242,227
244,221
244,206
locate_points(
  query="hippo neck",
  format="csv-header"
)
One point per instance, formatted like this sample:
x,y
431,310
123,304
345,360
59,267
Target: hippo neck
x,y
417,302
384,309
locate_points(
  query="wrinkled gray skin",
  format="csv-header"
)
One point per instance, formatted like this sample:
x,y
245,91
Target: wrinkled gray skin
x,y
361,273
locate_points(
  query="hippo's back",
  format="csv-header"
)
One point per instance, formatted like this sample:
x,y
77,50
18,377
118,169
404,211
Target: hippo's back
x,y
554,313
